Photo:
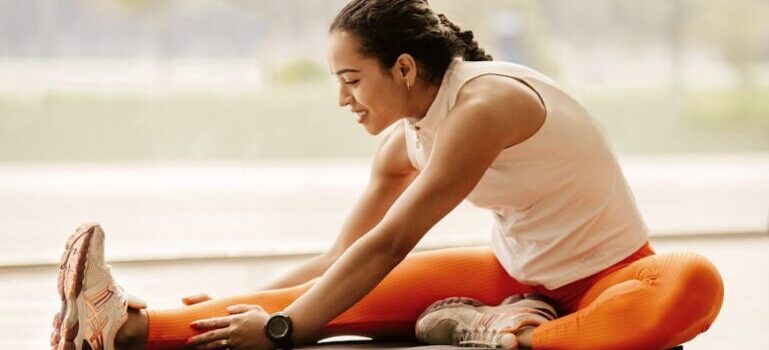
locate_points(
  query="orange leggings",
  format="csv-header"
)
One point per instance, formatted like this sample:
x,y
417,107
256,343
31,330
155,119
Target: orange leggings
x,y
646,301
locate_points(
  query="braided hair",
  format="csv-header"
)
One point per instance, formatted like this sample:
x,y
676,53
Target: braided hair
x,y
388,28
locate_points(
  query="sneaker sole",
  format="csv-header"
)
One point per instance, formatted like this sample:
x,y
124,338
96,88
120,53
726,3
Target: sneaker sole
x,y
70,285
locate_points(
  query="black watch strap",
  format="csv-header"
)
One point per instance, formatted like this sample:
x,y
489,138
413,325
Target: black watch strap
x,y
279,329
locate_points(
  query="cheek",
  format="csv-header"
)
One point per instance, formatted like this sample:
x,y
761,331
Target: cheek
x,y
379,100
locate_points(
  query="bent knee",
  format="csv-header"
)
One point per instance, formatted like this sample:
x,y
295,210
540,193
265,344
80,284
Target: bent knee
x,y
699,276
696,287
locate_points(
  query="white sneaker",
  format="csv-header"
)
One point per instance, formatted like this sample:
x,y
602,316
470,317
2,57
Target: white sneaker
x,y
93,307
468,322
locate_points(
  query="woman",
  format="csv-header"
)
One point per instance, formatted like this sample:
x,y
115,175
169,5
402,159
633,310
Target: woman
x,y
501,135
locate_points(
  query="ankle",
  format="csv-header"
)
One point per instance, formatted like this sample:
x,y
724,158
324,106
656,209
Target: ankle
x,y
133,333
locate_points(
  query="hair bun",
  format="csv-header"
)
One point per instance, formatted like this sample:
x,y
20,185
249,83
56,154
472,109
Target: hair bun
x,y
388,28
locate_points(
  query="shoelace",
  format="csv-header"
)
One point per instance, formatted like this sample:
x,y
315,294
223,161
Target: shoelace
x,y
486,337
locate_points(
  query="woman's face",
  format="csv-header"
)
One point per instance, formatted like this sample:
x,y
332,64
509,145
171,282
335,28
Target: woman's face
x,y
376,97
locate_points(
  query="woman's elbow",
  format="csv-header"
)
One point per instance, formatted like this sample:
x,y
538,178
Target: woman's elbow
x,y
398,247
386,245
327,259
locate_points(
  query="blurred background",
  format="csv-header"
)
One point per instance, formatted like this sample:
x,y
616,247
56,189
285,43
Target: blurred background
x,y
206,138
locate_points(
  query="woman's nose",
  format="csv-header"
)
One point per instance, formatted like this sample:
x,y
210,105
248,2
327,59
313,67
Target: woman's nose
x,y
344,96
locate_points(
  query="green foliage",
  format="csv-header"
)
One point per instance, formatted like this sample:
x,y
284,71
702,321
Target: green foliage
x,y
736,28
285,122
649,121
303,121
740,106
298,71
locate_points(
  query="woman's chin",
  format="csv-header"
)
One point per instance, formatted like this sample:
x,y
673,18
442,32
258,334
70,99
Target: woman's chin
x,y
368,124
371,130
377,128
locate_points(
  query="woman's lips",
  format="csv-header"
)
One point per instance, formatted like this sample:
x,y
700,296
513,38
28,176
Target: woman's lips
x,y
361,116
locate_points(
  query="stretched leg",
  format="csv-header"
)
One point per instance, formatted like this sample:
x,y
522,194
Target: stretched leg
x,y
389,311
656,302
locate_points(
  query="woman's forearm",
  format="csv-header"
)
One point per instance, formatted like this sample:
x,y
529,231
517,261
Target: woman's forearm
x,y
351,277
312,268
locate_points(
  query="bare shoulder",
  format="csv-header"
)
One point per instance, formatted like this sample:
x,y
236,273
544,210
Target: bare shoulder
x,y
503,102
391,159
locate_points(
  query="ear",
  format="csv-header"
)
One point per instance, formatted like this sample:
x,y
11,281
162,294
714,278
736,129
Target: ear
x,y
405,69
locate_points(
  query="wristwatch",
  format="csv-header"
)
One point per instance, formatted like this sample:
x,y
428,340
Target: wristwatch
x,y
279,329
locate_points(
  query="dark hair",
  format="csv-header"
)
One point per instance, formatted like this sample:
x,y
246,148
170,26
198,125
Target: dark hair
x,y
388,28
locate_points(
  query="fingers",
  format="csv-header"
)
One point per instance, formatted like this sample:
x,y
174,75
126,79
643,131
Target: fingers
x,y
210,323
196,298
211,339
241,308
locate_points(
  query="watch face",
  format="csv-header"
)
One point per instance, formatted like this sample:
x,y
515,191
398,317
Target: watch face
x,y
278,327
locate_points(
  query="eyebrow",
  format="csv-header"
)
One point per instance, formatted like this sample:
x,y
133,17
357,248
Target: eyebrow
x,y
347,70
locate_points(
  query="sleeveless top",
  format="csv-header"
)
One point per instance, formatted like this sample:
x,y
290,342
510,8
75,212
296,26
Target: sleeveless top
x,y
562,208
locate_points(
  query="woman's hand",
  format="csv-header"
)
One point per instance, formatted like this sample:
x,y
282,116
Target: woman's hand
x,y
194,299
242,330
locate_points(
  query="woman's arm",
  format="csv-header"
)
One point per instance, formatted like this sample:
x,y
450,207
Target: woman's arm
x,y
308,270
391,173
475,131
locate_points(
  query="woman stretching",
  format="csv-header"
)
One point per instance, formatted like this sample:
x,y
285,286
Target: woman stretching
x,y
461,126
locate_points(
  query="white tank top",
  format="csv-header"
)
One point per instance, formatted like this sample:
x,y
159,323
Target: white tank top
x,y
561,205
